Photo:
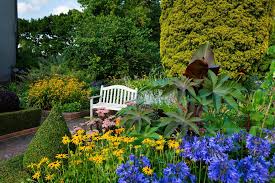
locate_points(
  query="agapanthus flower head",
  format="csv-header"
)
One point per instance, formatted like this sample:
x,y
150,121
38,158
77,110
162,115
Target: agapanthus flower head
x,y
133,171
205,149
177,173
257,146
254,169
224,171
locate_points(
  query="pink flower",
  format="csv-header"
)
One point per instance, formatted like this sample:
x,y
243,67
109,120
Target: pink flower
x,y
108,123
102,111
130,103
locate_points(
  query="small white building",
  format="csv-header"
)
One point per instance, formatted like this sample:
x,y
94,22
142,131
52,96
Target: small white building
x,y
8,38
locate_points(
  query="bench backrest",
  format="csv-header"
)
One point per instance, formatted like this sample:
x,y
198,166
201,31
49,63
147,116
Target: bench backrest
x,y
117,94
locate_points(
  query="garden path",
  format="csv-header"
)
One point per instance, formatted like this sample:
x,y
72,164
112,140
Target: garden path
x,y
16,146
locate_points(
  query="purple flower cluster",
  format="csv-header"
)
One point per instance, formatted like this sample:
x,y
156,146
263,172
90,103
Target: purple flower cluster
x,y
177,173
254,169
131,171
207,149
224,171
257,146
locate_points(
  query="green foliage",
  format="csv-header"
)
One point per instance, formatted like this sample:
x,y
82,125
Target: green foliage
x,y
47,140
112,46
72,107
180,122
45,37
136,117
259,107
12,170
239,32
143,13
218,89
19,120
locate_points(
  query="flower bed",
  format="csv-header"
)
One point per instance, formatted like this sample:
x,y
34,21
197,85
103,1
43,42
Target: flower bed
x,y
113,156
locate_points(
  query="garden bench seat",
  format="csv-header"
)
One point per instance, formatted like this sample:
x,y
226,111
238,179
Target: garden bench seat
x,y
113,97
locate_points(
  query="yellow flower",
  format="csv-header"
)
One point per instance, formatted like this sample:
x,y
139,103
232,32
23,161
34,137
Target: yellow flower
x,y
129,139
65,140
37,175
119,130
147,170
98,159
54,165
172,144
80,132
118,153
44,160
76,139
61,156
49,177
149,142
118,120
160,147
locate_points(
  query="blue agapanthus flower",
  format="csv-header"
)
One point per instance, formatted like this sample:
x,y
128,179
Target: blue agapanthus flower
x,y
257,146
130,172
206,149
178,173
224,171
254,169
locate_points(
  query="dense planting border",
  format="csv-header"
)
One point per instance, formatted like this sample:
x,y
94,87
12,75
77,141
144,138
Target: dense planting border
x,y
19,120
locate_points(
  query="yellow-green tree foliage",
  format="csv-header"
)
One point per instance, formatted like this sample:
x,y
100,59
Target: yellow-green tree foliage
x,y
238,31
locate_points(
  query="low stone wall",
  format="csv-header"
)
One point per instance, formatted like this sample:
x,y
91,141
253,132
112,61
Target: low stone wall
x,y
68,116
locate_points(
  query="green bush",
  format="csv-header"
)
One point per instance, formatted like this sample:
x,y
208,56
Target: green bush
x,y
238,31
19,120
47,140
12,170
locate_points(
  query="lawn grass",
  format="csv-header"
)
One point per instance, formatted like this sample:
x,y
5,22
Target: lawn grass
x,y
11,171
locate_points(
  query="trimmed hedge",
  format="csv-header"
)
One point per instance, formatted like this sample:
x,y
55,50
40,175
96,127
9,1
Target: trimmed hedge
x,y
19,120
47,141
238,31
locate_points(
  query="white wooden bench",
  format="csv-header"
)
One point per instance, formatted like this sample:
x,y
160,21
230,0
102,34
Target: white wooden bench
x,y
113,97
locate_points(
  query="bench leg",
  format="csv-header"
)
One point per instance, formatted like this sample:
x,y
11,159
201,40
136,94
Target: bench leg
x,y
91,109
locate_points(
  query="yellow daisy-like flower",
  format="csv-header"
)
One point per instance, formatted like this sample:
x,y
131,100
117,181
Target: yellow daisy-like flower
x,y
80,132
147,170
119,130
61,156
44,160
49,177
98,159
149,142
172,144
66,140
76,139
54,165
36,176
160,147
118,153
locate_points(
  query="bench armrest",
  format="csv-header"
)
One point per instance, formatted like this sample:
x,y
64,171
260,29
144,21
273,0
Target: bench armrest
x,y
97,96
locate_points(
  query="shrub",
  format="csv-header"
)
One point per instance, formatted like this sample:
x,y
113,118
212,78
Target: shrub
x,y
19,120
12,170
238,31
46,142
57,90
9,101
